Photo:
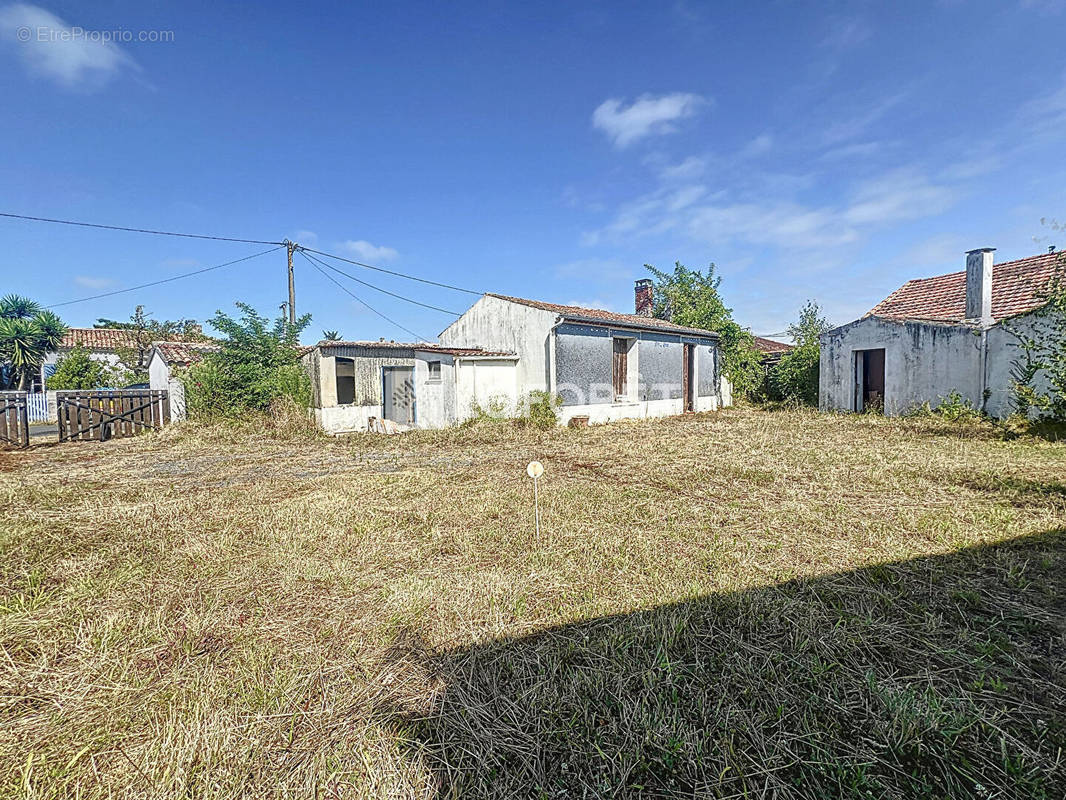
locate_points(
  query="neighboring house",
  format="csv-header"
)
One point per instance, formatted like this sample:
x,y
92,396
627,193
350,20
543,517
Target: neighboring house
x,y
167,356
935,336
772,351
602,365
103,344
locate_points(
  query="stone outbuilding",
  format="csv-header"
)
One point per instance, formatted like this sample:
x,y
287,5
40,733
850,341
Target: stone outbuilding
x,y
934,336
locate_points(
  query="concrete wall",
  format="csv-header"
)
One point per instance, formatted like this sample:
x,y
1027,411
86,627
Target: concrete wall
x,y
484,382
1003,351
321,365
160,376
584,365
495,324
924,362
434,399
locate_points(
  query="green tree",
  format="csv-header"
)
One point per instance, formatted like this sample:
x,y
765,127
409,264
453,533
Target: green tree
x,y
692,298
258,363
331,336
27,334
79,370
795,376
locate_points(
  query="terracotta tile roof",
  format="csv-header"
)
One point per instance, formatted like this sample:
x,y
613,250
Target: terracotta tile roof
x,y
599,315
1017,287
769,346
98,338
182,353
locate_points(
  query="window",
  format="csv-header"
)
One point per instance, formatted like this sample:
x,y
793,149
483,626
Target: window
x,y
434,370
345,381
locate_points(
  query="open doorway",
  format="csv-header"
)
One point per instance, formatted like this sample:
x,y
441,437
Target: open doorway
x,y
870,380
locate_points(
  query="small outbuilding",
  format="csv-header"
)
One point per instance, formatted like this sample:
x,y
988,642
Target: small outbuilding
x,y
935,336
168,356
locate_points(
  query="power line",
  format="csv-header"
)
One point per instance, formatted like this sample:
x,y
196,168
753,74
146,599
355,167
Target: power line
x,y
384,291
136,230
351,294
393,272
165,280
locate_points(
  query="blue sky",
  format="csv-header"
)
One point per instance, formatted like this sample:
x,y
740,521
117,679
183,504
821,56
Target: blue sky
x,y
812,150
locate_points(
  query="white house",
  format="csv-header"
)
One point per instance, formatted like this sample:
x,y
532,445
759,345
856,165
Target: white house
x,y
104,345
935,336
602,365
167,356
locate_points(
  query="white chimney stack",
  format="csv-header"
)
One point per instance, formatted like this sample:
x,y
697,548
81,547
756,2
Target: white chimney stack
x,y
979,284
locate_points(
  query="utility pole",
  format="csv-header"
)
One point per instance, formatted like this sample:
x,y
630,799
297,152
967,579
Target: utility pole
x,y
290,247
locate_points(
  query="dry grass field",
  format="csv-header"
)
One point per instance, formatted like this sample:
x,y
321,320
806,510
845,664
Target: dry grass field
x,y
741,605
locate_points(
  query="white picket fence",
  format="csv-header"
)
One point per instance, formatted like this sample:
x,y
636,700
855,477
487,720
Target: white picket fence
x,y
37,407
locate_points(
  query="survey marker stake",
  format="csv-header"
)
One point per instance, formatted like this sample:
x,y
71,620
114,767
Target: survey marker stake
x,y
535,470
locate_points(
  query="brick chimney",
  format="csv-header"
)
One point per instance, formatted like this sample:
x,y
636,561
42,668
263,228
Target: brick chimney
x,y
979,284
643,292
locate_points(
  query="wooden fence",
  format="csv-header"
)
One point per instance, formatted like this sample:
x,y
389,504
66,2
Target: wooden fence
x,y
14,422
103,415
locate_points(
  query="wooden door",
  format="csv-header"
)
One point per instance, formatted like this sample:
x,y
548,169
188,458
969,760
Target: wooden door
x,y
620,368
688,377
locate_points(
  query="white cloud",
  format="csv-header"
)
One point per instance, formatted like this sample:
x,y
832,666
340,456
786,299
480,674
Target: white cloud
x,y
51,48
91,282
758,146
856,125
691,167
646,116
899,195
367,251
895,196
845,33
305,237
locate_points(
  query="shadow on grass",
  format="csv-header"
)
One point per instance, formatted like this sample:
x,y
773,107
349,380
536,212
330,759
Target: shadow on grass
x,y
937,677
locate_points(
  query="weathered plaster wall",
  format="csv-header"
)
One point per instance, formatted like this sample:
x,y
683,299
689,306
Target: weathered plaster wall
x,y
584,370
485,382
924,362
1002,353
322,364
346,419
161,377
495,324
434,399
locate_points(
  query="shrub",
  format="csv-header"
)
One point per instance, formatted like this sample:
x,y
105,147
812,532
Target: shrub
x,y
795,377
537,410
258,363
79,370
956,408
1043,353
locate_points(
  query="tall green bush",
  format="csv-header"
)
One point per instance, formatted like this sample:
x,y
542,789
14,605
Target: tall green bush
x,y
795,377
258,364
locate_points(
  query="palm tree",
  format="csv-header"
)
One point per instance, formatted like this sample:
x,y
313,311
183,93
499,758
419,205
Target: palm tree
x,y
331,336
27,334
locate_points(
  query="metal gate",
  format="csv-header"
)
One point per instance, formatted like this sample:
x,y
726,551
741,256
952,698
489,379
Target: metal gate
x,y
103,415
14,422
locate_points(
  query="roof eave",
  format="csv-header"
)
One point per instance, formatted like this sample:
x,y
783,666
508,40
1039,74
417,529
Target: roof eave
x,y
604,323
